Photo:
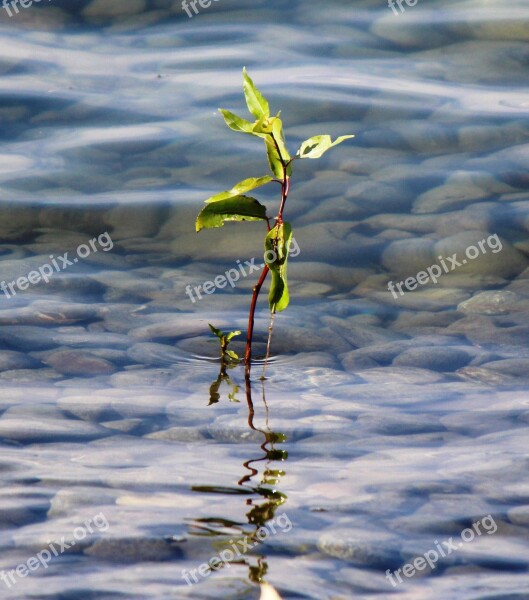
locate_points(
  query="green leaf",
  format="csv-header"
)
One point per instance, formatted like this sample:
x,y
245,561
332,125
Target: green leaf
x,y
216,331
232,354
274,160
256,102
277,131
276,150
263,127
316,146
238,208
271,130
231,335
241,188
236,123
277,243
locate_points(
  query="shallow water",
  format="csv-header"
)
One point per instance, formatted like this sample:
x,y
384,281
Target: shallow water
x,y
387,426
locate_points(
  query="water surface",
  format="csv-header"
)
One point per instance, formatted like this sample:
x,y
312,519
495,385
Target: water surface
x,y
386,425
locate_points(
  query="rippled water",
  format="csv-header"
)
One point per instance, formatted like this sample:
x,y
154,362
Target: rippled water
x,y
388,426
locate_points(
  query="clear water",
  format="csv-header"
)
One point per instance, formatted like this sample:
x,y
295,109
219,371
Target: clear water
x,y
386,426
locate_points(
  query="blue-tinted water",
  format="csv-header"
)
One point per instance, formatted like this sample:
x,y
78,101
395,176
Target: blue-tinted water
x,y
391,428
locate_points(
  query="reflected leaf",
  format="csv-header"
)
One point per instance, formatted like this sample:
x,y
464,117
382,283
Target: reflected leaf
x,y
257,573
214,389
278,455
218,489
214,395
272,477
231,396
275,437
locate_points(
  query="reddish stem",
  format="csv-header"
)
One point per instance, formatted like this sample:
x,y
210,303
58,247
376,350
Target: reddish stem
x,y
284,194
255,295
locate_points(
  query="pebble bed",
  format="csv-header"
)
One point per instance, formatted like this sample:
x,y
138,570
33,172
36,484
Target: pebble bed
x,y
397,422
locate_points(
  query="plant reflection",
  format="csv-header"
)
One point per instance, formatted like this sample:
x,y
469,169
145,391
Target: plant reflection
x,y
263,496
214,388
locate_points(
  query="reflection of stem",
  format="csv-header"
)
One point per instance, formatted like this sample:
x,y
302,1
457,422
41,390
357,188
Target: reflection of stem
x,y
251,415
270,438
251,411
267,411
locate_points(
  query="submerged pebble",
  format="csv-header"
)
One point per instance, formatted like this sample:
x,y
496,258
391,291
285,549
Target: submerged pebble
x,y
354,546
491,303
433,358
78,362
10,360
31,431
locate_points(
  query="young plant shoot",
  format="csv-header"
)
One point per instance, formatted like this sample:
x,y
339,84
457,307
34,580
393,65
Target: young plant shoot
x,y
235,205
